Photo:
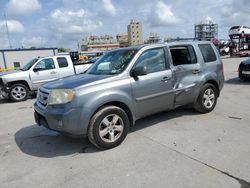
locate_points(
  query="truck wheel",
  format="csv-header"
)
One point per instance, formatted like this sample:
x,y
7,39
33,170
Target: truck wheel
x,y
18,92
207,99
108,127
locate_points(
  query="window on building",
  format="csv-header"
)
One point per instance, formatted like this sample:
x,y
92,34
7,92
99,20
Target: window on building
x,y
153,59
16,65
207,53
62,62
183,55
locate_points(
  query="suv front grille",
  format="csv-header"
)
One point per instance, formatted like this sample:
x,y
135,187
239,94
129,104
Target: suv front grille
x,y
43,96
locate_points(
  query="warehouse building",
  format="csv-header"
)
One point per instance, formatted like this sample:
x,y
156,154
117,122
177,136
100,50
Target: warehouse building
x,y
16,58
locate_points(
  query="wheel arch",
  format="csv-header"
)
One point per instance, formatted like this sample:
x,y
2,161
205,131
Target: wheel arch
x,y
213,82
121,105
19,82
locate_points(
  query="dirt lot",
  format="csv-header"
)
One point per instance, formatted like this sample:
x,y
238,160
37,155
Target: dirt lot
x,y
180,148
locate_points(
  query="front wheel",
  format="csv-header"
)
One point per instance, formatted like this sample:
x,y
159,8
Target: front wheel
x,y
18,92
207,99
108,127
3,93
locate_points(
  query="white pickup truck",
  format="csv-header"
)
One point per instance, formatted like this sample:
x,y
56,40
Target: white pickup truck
x,y
17,85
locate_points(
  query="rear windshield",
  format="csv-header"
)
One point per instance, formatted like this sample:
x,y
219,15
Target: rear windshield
x,y
235,27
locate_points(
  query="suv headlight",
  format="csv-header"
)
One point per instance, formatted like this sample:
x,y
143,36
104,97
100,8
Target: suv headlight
x,y
61,96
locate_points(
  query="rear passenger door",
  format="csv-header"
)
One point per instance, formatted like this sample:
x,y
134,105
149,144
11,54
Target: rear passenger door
x,y
187,73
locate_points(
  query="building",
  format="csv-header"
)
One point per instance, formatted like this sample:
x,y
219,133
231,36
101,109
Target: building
x,y
153,38
135,35
101,47
206,31
98,43
16,58
122,39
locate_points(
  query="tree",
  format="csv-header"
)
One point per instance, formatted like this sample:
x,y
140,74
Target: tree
x,y
63,50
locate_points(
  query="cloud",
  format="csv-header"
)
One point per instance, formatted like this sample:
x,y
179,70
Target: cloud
x,y
236,13
23,7
162,15
14,26
73,23
34,42
108,7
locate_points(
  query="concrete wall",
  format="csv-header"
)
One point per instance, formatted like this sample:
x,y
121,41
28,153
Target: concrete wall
x,y
23,56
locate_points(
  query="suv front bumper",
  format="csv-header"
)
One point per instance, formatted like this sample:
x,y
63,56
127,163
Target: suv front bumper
x,y
63,120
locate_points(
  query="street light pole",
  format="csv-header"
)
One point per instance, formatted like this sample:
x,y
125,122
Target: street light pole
x,y
7,28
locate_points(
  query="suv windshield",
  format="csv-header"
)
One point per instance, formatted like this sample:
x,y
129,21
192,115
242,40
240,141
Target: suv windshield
x,y
28,65
113,62
235,27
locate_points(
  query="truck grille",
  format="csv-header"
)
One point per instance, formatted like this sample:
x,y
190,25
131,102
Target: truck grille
x,y
43,96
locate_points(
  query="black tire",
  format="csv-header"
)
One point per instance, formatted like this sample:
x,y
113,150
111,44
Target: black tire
x,y
98,124
241,77
18,92
206,97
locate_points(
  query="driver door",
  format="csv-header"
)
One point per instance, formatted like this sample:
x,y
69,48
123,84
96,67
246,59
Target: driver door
x,y
44,71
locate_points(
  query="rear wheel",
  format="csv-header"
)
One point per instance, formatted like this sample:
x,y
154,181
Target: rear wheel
x,y
207,99
18,92
108,127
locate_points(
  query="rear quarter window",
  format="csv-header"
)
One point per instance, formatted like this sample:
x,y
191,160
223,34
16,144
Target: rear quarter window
x,y
207,52
62,62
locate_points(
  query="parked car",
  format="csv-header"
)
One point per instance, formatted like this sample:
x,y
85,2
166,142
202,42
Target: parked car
x,y
239,30
18,84
244,69
127,84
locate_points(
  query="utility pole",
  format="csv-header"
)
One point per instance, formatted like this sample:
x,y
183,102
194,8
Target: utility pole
x,y
7,28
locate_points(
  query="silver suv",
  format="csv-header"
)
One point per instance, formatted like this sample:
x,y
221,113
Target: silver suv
x,y
130,83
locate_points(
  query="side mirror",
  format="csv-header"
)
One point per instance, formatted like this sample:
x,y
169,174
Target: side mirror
x,y
139,71
36,69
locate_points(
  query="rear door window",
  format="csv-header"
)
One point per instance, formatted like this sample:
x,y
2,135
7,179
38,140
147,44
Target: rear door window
x,y
62,62
207,52
183,55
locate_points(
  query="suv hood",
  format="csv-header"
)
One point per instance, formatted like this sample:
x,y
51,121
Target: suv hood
x,y
75,81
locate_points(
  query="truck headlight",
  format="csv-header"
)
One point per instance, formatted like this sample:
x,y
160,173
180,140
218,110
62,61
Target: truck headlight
x,y
61,96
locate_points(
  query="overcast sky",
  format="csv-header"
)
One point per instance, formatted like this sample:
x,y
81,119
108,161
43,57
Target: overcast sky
x,y
61,23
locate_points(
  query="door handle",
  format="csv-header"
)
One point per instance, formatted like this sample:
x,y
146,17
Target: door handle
x,y
53,72
196,71
165,79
